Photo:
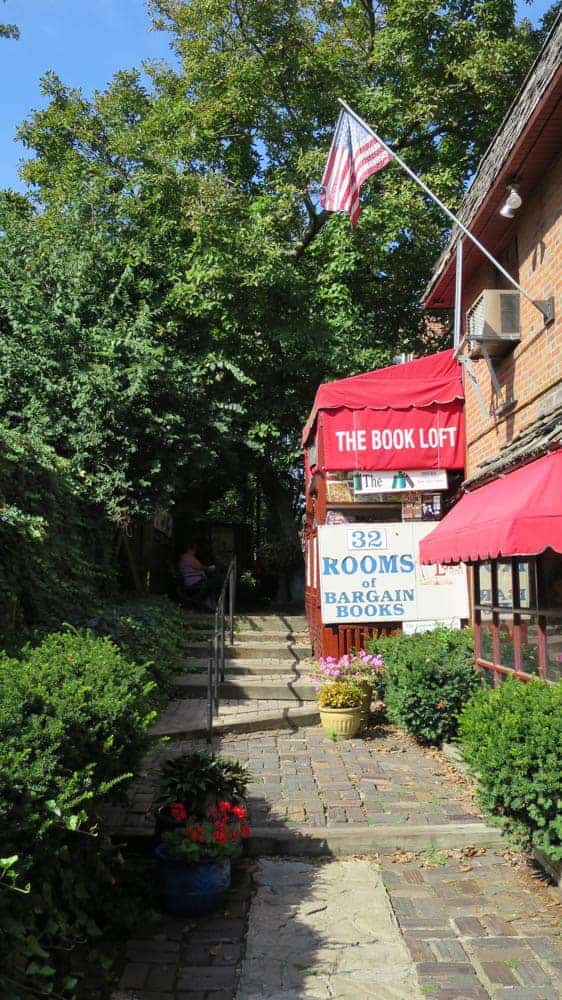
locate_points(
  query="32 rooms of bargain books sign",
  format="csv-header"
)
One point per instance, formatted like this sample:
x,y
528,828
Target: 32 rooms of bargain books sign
x,y
371,573
430,438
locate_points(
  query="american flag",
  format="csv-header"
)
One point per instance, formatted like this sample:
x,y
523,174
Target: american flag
x,y
354,155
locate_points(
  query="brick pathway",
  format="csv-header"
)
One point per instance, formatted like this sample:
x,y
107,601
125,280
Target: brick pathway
x,y
382,778
477,927
186,959
476,924
303,777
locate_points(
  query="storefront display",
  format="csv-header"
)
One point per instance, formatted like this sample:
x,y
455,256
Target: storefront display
x,y
383,454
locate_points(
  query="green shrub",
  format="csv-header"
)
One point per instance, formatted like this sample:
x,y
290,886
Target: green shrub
x,y
428,678
512,739
73,719
151,631
199,780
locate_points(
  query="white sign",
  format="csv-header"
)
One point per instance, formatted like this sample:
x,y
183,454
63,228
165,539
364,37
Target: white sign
x,y
414,628
399,482
371,573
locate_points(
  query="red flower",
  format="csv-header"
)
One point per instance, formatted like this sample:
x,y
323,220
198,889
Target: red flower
x,y
245,830
178,811
239,812
212,812
225,808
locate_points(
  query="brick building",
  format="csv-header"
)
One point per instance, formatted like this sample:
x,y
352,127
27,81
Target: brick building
x,y
508,523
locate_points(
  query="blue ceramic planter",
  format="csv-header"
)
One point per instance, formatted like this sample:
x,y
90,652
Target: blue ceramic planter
x,y
191,889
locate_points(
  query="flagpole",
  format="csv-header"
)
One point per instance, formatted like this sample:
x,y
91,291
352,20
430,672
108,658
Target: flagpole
x,y
444,209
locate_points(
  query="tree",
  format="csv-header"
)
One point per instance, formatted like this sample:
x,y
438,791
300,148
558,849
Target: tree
x,y
198,292
9,30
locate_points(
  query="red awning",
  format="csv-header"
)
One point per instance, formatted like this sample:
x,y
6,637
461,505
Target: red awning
x,y
435,379
519,514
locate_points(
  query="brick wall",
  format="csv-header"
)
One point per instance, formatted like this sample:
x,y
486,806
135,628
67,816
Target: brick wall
x,y
532,373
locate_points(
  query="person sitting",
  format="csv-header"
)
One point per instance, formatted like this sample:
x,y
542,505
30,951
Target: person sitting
x,y
194,576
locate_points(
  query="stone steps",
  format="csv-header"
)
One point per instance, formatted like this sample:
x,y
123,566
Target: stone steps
x,y
279,687
256,668
187,717
257,651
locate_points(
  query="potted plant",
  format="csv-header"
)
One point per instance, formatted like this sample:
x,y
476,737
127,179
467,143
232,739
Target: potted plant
x,y
193,782
194,858
341,704
363,668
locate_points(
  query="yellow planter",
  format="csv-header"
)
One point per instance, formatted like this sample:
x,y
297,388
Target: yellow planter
x,y
344,722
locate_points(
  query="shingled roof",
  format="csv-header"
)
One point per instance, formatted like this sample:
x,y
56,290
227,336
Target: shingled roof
x,y
542,436
542,74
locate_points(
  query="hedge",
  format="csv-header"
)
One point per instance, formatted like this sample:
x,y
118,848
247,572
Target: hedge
x,y
74,714
151,630
428,677
512,740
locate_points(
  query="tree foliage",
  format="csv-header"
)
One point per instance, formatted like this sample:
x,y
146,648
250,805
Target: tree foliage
x,y
9,30
171,293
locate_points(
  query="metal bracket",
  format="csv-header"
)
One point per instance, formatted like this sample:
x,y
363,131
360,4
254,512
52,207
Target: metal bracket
x,y
546,306
468,365
491,369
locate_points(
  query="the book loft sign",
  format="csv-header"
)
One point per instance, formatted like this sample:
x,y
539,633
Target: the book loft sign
x,y
371,573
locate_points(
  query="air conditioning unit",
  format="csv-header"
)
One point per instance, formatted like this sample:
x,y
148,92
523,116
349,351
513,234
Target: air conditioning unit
x,y
493,320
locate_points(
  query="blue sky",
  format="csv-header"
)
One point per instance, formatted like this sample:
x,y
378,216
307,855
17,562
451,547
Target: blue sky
x,y
85,42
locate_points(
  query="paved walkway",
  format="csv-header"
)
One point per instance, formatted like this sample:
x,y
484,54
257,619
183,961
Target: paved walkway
x,y
412,896
324,930
303,777
451,925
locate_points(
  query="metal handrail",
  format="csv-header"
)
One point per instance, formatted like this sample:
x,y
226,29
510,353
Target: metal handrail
x,y
215,675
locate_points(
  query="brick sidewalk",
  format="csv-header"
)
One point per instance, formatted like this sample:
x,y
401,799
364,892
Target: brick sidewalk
x,y
478,927
475,925
195,959
301,776
383,778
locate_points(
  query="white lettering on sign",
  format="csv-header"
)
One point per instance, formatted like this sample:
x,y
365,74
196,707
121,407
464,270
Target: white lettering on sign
x,y
397,439
352,440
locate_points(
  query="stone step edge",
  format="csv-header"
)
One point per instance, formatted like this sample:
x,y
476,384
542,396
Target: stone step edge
x,y
289,654
252,722
281,689
352,839
194,665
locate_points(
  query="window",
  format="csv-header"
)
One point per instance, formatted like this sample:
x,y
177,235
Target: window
x,y
518,617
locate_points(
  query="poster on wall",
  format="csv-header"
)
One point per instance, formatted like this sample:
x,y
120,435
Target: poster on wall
x,y
399,482
371,573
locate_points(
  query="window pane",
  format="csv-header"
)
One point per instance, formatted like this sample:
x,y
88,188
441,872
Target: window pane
x,y
529,651
507,656
505,584
485,572
486,638
552,580
527,598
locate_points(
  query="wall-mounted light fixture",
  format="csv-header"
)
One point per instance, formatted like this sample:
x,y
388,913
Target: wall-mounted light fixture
x,y
512,202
